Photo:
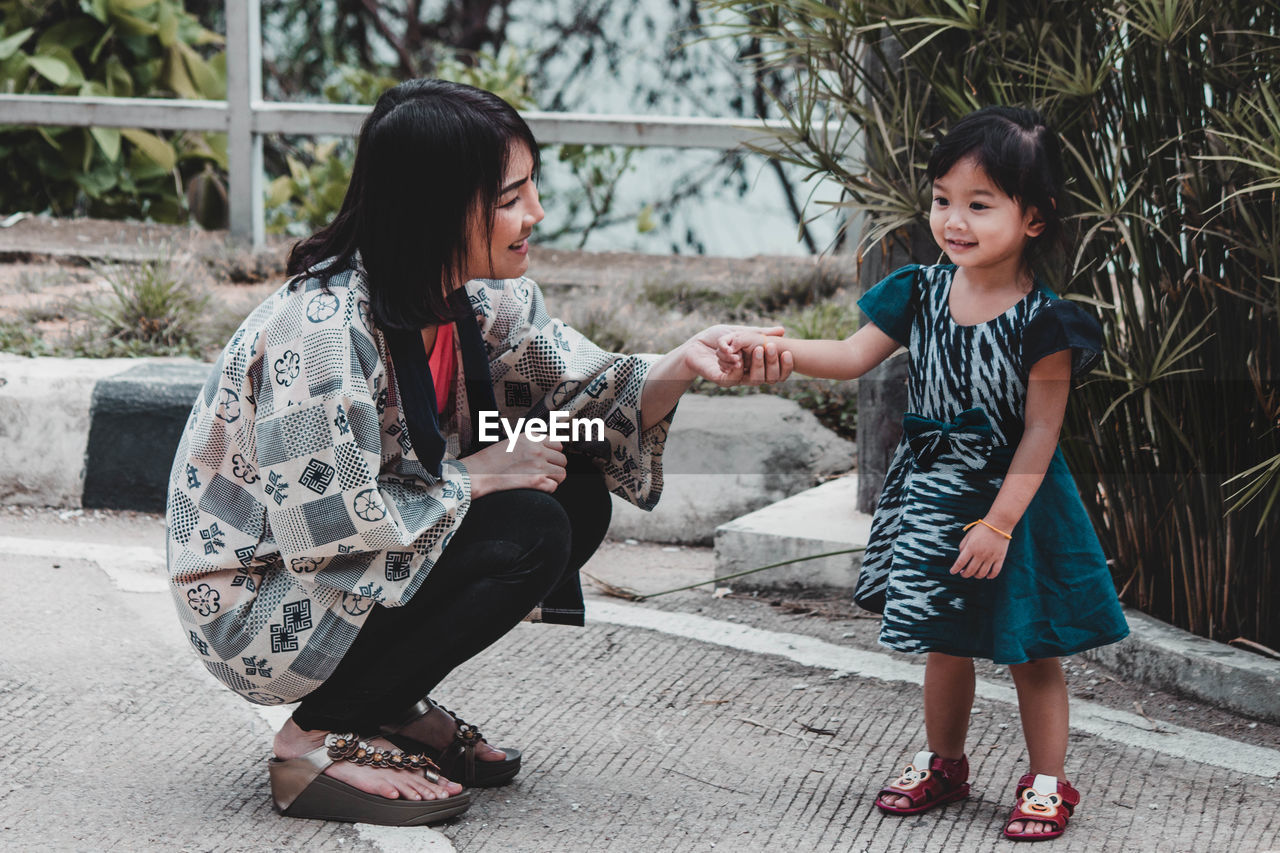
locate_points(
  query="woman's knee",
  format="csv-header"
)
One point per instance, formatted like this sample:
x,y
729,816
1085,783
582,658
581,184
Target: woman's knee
x,y
536,524
586,500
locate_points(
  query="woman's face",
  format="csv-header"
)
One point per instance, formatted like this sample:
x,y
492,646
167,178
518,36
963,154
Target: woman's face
x,y
505,252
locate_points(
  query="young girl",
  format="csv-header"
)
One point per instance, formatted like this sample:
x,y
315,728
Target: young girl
x,y
980,546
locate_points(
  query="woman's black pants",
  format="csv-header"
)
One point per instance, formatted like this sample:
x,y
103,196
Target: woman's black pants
x,y
512,549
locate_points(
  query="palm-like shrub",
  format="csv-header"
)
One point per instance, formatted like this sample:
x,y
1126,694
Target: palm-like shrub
x,y
1172,131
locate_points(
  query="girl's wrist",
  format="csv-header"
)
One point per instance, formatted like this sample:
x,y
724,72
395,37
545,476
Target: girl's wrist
x,y
1001,522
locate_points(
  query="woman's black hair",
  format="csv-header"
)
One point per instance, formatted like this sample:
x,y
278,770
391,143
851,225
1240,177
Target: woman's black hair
x,y
431,155
1020,153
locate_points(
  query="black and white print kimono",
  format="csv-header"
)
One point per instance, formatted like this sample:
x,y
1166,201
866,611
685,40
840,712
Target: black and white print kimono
x,y
297,499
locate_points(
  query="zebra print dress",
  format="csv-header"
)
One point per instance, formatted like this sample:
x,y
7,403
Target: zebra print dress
x,y
967,394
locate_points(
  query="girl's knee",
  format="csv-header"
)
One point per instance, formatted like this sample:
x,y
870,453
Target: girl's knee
x,y
1042,668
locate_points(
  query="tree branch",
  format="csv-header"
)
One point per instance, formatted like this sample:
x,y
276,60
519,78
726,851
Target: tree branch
x,y
407,64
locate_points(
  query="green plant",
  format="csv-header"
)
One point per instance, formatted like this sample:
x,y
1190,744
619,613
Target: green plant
x,y
21,338
596,170
1171,128
128,48
152,309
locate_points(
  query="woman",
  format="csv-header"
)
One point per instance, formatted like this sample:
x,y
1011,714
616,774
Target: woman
x,y
338,534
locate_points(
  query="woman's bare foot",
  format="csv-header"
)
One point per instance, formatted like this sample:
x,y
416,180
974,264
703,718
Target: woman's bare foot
x,y
292,742
436,729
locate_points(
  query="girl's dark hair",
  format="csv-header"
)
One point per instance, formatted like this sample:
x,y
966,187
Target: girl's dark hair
x,y
431,155
1017,149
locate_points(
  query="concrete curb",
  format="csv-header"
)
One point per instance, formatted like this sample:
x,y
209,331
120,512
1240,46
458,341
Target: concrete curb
x,y
102,433
92,432
820,520
1181,662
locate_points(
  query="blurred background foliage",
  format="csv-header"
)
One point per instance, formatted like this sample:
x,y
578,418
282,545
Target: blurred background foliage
x,y
651,56
1169,114
122,48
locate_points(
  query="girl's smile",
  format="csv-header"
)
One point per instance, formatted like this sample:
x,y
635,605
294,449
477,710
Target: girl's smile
x,y
982,229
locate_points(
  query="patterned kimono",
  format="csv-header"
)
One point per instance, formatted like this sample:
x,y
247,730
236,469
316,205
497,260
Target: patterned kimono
x,y
967,395
297,501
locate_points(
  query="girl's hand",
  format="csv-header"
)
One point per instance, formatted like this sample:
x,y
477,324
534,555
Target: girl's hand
x,y
982,553
752,355
735,343
530,465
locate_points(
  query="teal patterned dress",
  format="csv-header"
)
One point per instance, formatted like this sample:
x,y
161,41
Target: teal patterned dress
x,y
967,395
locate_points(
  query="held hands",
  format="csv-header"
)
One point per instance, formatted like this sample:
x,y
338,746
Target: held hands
x,y
751,354
982,553
531,464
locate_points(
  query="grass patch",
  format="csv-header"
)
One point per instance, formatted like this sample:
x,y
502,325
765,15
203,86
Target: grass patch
x,y
239,265
152,309
44,312
748,303
784,293
824,320
688,298
20,338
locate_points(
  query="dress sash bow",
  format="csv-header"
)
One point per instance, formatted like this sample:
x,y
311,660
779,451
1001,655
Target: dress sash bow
x,y
969,436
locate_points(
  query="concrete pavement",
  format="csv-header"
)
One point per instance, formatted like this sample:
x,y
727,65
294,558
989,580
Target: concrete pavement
x,y
685,723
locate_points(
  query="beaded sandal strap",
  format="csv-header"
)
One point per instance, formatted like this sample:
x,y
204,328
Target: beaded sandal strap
x,y
348,747
466,733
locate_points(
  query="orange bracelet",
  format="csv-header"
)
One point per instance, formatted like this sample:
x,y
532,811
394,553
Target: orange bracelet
x,y
984,523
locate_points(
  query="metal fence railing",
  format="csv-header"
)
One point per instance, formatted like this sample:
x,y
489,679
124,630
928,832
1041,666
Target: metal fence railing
x,y
246,118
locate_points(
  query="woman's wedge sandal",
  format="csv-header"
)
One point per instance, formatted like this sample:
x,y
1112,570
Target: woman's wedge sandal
x,y
928,781
458,760
1045,799
299,787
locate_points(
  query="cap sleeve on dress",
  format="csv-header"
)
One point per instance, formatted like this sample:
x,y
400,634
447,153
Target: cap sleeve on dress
x,y
1063,325
892,303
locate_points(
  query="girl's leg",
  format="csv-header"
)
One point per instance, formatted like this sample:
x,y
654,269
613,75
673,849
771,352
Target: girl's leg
x,y
948,699
1043,705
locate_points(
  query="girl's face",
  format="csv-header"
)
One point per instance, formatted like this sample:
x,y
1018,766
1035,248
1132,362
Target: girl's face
x,y
505,252
976,224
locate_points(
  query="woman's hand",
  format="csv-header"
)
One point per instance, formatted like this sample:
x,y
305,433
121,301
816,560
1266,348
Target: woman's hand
x,y
982,553
530,465
753,362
